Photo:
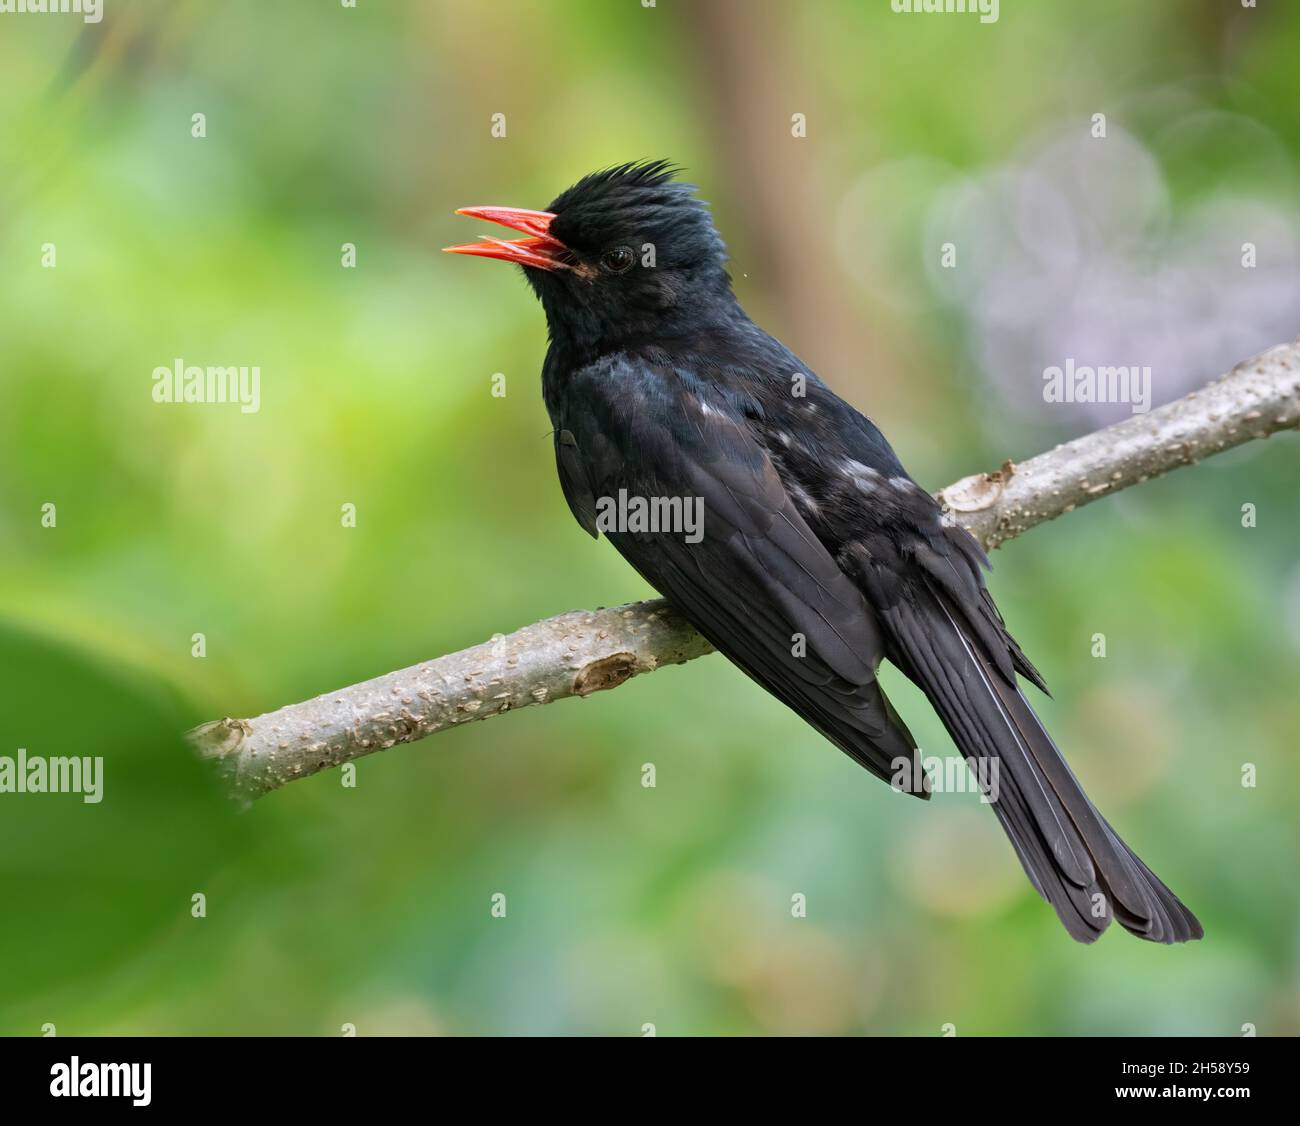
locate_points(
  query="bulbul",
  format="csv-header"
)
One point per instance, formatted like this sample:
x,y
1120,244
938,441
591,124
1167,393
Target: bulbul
x,y
819,556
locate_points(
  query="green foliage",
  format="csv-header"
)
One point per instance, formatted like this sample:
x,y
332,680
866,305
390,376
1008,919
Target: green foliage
x,y
372,905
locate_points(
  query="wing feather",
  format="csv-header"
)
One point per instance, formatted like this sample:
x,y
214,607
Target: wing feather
x,y
759,580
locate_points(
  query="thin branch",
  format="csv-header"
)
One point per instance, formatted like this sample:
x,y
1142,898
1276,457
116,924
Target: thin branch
x,y
583,651
1259,397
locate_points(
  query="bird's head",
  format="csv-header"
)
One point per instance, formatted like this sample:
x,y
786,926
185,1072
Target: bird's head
x,y
624,253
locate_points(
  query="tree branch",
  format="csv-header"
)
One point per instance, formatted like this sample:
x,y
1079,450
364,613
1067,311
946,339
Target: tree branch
x,y
584,651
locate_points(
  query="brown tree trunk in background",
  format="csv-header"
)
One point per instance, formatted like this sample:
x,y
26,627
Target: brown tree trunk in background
x,y
787,196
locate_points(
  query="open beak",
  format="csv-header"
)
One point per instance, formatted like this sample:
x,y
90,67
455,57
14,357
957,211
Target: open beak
x,y
537,248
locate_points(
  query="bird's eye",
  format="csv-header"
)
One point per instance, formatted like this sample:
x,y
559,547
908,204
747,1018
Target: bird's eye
x,y
618,260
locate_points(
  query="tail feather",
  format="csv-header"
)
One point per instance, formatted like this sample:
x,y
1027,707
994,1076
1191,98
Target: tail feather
x,y
1139,900
1072,856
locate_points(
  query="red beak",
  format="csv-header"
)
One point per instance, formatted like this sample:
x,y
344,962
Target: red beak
x,y
538,249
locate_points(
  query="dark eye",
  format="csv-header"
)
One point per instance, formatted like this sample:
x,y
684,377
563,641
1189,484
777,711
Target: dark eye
x,y
617,260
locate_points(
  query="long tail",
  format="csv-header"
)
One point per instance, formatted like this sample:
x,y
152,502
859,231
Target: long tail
x,y
1072,856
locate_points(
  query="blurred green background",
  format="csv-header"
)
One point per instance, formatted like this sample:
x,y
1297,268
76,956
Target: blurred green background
x,y
328,125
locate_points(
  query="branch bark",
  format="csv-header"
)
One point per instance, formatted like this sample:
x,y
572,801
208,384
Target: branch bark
x,y
582,652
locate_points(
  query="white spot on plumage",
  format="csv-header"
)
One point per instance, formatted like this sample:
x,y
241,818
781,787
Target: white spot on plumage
x,y
802,498
866,478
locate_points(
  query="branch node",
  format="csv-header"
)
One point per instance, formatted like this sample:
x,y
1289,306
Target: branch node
x,y
608,672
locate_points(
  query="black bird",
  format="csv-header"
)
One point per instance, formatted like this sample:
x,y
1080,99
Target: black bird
x,y
820,557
